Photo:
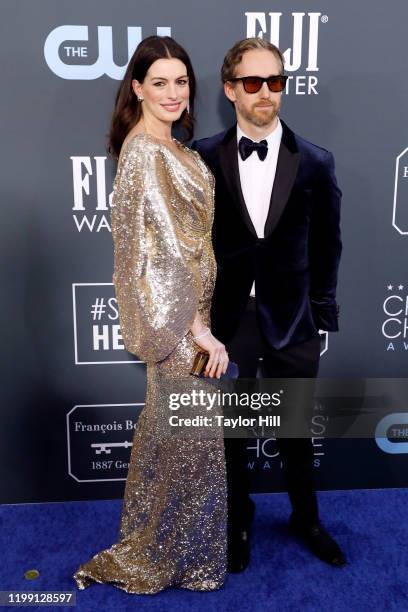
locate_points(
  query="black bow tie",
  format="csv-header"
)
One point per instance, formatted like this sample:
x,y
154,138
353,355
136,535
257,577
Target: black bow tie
x,y
246,146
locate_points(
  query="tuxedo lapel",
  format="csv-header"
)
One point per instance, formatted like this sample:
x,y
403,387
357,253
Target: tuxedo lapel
x,y
228,155
286,171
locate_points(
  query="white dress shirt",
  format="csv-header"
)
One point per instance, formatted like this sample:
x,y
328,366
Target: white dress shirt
x,y
257,179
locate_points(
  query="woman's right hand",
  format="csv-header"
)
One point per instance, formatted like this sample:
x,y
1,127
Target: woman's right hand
x,y
218,361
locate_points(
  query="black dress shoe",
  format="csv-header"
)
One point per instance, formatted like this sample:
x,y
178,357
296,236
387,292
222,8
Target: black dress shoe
x,y
238,551
319,541
239,543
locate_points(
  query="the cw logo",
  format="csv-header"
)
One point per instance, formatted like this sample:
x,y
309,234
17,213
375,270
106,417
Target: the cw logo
x,y
391,433
103,65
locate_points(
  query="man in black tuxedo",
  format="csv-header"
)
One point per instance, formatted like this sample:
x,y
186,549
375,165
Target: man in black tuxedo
x,y
277,245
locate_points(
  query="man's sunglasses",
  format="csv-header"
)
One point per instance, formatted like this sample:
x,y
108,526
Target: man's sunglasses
x,y
252,84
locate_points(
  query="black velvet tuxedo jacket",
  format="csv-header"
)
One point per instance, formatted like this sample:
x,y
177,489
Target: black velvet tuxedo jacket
x,y
295,265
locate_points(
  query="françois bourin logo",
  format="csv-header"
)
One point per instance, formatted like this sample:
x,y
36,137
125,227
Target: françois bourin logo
x,y
100,438
395,324
301,30
68,50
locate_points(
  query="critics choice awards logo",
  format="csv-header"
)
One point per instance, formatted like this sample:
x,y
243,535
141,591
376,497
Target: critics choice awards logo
x,y
263,453
297,36
395,322
97,337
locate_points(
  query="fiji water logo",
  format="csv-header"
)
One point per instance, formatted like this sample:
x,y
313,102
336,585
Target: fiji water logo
x,y
298,39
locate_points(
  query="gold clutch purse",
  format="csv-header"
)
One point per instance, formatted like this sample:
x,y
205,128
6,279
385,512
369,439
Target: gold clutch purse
x,y
200,361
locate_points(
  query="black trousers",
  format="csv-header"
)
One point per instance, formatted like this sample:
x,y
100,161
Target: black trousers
x,y
300,361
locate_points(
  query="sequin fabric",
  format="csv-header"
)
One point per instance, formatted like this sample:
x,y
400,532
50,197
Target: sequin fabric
x,y
173,525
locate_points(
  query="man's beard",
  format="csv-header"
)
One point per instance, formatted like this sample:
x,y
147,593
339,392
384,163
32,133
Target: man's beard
x,y
259,117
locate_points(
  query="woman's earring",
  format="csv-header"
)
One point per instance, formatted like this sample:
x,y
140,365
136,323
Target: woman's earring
x,y
188,108
140,98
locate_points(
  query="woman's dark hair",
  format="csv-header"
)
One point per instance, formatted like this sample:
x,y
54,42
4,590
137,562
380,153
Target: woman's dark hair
x,y
127,111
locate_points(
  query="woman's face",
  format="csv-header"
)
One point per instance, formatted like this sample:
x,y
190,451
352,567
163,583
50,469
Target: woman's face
x,y
165,90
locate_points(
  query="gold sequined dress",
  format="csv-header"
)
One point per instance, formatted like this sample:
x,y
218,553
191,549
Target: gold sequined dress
x,y
173,524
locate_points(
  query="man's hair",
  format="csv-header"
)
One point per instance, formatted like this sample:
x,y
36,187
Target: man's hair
x,y
234,55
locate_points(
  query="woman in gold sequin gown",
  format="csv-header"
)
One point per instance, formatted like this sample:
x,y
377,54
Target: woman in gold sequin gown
x,y
173,524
